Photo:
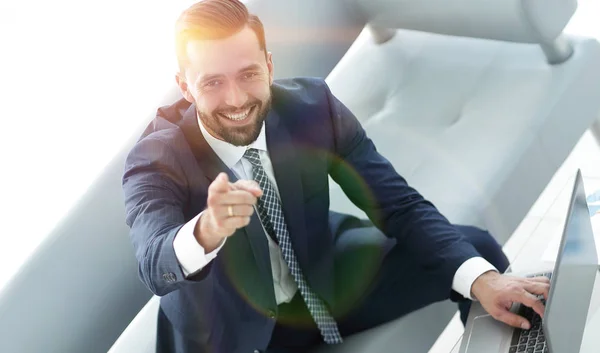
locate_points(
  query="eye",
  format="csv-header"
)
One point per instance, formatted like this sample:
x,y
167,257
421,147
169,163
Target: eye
x,y
249,75
212,84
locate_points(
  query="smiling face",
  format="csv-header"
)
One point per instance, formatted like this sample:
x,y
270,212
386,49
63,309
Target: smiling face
x,y
229,80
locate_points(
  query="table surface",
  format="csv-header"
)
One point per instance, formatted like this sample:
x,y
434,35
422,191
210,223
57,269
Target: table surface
x,y
533,257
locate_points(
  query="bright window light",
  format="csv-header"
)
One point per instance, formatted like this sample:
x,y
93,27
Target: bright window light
x,y
77,78
585,21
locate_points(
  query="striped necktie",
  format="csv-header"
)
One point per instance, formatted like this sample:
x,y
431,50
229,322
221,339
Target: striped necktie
x,y
271,216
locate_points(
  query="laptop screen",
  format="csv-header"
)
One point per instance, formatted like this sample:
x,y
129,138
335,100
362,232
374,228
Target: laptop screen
x,y
573,277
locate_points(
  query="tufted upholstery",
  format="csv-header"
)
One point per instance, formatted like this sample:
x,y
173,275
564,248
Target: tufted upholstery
x,y
470,123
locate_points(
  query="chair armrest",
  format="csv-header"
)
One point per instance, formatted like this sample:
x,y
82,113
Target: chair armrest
x,y
527,21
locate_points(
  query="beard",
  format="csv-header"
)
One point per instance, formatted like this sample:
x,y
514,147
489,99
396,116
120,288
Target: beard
x,y
237,135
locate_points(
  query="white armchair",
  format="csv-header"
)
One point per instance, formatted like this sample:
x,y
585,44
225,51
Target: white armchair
x,y
476,102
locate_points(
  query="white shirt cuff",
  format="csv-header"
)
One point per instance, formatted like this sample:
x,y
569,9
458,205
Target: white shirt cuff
x,y
468,272
189,252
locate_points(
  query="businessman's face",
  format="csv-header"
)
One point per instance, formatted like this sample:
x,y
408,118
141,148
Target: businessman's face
x,y
230,82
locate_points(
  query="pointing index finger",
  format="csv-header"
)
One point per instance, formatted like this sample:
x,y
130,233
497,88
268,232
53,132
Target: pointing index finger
x,y
220,184
248,185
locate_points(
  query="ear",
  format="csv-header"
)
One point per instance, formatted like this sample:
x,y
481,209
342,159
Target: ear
x,y
183,87
270,67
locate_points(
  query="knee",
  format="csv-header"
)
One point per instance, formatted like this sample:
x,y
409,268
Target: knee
x,y
487,246
483,241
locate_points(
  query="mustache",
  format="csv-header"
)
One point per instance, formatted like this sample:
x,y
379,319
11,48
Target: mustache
x,y
226,110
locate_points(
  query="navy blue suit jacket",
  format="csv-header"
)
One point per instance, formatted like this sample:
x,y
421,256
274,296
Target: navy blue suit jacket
x,y
229,306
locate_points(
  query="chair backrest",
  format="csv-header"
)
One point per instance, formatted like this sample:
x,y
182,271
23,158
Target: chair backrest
x,y
80,289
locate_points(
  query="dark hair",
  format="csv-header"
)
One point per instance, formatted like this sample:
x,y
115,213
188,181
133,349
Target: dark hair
x,y
214,19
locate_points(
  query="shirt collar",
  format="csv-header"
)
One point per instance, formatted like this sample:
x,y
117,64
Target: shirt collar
x,y
228,153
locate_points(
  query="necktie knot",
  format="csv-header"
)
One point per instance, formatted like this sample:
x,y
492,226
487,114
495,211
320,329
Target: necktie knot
x,y
252,156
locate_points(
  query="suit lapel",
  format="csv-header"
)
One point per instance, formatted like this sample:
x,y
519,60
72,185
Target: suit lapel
x,y
207,159
212,165
284,156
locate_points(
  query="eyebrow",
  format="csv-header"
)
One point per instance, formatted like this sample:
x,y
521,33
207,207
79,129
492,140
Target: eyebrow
x,y
209,77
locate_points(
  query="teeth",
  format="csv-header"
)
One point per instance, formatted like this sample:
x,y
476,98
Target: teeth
x,y
239,116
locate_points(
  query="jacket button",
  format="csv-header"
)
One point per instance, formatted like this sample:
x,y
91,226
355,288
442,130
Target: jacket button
x,y
256,351
169,277
271,314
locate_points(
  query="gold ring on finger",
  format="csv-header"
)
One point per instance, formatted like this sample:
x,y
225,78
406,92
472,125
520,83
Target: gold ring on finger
x,y
230,210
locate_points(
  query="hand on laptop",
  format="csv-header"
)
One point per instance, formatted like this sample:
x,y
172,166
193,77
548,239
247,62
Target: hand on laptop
x,y
497,293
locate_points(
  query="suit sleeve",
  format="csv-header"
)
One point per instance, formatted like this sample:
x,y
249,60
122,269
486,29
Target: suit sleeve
x,y
155,190
372,184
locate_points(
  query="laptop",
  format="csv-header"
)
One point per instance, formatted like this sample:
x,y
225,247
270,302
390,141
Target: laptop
x,y
571,286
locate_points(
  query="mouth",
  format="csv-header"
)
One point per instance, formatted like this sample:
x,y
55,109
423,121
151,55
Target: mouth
x,y
239,117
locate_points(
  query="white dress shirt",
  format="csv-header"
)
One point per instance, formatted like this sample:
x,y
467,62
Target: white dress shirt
x,y
192,257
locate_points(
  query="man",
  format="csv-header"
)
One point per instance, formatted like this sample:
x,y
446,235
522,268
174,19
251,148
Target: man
x,y
227,199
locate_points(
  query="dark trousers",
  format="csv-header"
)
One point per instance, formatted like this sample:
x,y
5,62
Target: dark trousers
x,y
376,282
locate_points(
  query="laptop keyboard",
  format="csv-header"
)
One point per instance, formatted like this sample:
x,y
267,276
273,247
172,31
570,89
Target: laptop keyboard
x,y
532,340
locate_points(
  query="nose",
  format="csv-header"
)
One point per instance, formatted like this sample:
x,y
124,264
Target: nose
x,y
235,97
